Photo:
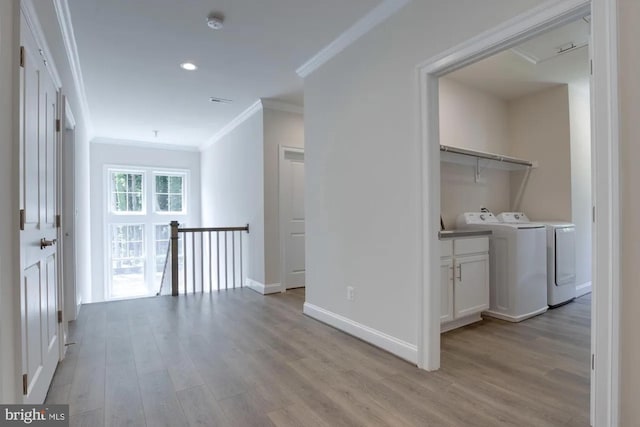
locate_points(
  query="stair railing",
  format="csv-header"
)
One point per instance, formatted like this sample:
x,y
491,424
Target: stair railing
x,y
216,256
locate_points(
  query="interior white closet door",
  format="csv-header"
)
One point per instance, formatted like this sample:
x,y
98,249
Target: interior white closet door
x,y
292,217
38,252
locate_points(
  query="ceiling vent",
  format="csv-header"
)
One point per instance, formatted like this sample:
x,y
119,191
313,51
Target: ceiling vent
x,y
219,100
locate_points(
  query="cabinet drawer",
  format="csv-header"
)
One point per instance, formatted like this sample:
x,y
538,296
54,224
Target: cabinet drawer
x,y
471,246
446,248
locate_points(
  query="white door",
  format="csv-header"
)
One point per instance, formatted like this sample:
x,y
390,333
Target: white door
x,y
471,293
72,299
38,252
292,217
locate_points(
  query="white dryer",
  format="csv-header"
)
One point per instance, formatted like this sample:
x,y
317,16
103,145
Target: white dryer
x,y
518,268
561,256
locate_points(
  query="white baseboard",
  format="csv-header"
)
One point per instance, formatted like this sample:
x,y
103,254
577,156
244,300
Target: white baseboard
x,y
386,342
459,323
583,289
261,288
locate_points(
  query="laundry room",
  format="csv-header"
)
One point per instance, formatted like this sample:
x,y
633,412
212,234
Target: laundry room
x,y
516,208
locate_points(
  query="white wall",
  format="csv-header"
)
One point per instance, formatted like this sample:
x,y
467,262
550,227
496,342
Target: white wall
x,y
233,191
105,154
9,260
539,131
629,70
470,118
553,127
581,201
240,185
280,128
363,189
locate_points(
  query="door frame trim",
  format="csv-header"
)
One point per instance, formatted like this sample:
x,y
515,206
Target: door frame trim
x,y
69,125
282,150
60,116
605,125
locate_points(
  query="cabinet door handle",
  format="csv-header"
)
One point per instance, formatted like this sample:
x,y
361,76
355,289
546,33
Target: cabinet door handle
x,y
459,272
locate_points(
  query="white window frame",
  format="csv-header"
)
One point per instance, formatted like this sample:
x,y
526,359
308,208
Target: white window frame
x,y
183,174
149,218
109,189
145,254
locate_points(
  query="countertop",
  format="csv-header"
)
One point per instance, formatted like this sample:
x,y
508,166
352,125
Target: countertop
x,y
452,234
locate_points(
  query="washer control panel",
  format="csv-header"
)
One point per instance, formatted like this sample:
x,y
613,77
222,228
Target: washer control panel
x,y
477,218
513,217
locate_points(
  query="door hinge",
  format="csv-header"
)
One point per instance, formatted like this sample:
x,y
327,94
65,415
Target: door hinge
x,y
593,362
25,384
22,219
58,221
22,56
58,125
591,66
59,316
593,214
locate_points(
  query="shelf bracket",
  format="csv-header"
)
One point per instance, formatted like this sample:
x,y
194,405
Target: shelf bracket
x,y
477,175
523,185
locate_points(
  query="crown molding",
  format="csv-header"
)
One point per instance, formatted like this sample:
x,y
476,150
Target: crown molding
x,y
246,114
365,24
144,144
30,15
229,127
282,106
68,36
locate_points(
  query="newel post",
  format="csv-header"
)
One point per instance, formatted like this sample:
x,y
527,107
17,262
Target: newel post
x,y
174,258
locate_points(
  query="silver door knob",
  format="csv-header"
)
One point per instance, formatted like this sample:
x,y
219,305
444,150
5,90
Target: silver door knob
x,y
46,243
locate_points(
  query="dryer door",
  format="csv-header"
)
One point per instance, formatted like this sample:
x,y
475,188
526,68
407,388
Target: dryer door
x,y
565,256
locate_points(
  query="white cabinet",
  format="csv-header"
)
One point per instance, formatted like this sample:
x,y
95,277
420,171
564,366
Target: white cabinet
x,y
464,281
446,290
471,285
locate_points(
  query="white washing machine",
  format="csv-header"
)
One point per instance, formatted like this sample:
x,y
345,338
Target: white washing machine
x,y
518,267
561,256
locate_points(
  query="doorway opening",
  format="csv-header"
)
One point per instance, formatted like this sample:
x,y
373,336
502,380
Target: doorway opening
x,y
604,328
515,135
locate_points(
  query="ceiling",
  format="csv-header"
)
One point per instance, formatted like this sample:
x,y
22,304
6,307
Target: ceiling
x,y
130,53
533,66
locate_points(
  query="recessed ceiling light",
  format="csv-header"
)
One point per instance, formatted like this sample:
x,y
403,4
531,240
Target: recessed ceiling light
x,y
189,66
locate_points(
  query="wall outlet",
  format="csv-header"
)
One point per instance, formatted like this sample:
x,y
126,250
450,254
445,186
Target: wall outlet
x,y
351,293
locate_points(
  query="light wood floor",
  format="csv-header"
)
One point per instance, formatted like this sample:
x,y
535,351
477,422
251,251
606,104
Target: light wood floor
x,y
240,359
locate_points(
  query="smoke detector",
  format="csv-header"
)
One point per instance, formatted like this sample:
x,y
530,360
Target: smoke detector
x,y
215,21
